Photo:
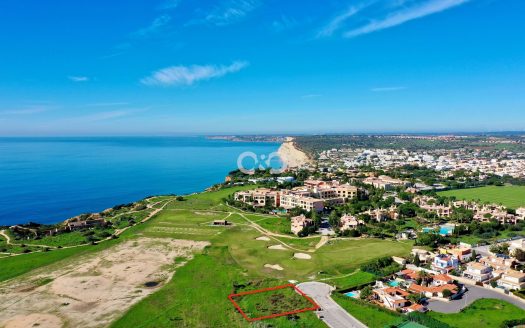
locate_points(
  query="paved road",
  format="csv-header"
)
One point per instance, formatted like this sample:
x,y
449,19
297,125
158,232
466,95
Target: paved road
x,y
474,293
334,315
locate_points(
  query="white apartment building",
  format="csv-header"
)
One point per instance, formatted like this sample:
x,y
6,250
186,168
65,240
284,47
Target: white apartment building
x,y
512,280
478,272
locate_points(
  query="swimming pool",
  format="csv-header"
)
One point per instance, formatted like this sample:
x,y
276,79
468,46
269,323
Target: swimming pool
x,y
352,294
446,230
393,283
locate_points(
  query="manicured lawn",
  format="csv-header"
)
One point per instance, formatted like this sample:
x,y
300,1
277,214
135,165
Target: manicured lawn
x,y
273,224
484,313
510,196
371,315
355,279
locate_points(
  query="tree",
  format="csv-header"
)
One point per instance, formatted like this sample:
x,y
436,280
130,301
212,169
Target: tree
x,y
408,210
334,220
417,261
415,298
519,254
366,293
447,293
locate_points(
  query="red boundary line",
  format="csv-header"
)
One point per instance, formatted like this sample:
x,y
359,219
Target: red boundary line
x,y
313,308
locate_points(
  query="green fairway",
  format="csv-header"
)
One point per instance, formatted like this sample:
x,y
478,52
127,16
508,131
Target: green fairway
x,y
485,313
509,196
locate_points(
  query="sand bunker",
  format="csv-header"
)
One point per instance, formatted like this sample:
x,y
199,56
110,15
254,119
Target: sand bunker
x,y
263,238
302,256
279,247
94,290
274,267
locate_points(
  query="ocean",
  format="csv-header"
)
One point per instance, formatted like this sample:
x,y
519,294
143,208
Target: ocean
x,y
48,180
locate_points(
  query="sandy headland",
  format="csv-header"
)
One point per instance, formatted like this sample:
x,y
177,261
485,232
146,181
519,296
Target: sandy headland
x,y
291,155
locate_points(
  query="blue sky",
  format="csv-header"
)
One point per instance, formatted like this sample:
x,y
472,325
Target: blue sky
x,y
165,67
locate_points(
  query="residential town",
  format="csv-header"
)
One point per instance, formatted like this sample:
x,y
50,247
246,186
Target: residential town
x,y
485,162
440,271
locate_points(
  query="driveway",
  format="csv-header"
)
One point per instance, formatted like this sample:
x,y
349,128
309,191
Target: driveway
x,y
334,315
474,293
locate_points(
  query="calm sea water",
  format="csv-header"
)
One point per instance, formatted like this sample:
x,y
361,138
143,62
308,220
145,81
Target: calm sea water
x,y
48,180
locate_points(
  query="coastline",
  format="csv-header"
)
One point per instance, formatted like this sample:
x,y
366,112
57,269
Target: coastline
x,y
292,155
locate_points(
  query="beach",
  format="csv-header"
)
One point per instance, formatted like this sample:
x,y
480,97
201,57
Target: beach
x,y
291,155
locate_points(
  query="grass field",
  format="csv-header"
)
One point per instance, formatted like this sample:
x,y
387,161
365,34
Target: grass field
x,y
509,196
197,297
354,279
484,313
371,315
270,302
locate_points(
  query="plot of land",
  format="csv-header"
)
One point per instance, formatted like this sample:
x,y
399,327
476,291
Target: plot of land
x,y
92,291
272,302
510,196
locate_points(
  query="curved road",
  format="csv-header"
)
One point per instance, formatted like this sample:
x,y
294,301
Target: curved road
x,y
334,315
473,294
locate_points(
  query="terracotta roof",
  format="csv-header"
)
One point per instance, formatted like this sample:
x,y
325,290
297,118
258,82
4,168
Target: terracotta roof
x,y
416,307
442,277
395,290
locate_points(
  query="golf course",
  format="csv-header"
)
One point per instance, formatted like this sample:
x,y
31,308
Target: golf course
x,y
509,196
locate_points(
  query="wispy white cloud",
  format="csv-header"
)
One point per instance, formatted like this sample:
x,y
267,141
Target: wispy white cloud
x,y
284,23
157,25
337,22
401,16
78,78
188,75
169,4
388,89
25,111
232,11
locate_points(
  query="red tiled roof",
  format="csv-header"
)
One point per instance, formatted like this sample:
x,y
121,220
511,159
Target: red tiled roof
x,y
442,277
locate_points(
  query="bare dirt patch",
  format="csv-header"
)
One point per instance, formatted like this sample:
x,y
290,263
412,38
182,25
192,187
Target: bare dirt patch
x,y
274,267
263,238
278,247
95,290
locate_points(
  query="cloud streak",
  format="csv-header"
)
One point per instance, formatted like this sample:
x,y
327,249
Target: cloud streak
x,y
337,22
78,78
232,11
25,111
189,75
402,16
158,24
169,4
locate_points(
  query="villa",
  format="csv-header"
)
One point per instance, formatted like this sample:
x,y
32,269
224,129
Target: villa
x,y
299,223
478,272
350,222
392,298
445,263
512,280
